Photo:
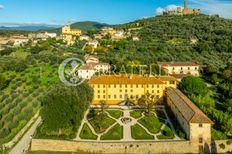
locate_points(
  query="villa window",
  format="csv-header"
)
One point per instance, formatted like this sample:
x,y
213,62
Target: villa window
x,y
188,68
171,82
131,90
153,86
158,91
98,86
200,139
109,85
125,85
152,91
98,91
195,68
104,86
147,86
142,86
181,68
200,125
104,91
120,86
126,90
131,85
120,90
147,91
137,96
137,86
115,96
104,96
98,96
173,68
120,96
158,86
109,96
115,86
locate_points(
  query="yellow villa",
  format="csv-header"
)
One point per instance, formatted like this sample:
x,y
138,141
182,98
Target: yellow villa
x,y
114,89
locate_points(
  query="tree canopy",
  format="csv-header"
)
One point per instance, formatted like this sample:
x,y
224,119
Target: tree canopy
x,y
63,108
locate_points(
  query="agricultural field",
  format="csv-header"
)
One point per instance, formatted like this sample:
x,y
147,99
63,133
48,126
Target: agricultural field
x,y
21,99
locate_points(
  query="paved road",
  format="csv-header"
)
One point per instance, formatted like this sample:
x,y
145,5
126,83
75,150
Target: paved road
x,y
24,143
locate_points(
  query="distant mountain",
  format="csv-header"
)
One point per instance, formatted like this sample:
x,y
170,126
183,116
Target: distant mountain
x,y
28,28
86,25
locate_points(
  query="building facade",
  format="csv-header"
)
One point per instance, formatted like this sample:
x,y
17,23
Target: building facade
x,y
180,69
115,89
194,122
183,11
67,30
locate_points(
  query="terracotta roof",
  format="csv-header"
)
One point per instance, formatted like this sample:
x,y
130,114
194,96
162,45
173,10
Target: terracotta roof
x,y
124,79
186,63
166,78
91,66
180,76
187,108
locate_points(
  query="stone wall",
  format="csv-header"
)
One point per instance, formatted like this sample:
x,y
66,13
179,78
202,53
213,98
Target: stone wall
x,y
217,146
116,147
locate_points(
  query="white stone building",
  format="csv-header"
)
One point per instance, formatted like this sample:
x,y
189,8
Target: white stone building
x,y
91,67
85,37
180,69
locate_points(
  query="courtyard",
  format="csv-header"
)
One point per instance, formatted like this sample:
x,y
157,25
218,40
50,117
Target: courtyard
x,y
122,123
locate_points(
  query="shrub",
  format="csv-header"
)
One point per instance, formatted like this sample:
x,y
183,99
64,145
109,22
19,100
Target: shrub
x,y
222,146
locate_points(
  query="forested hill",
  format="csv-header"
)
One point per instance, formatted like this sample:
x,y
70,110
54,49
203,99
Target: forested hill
x,y
168,38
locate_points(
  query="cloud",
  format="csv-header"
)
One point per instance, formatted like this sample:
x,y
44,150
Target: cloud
x,y
160,10
211,7
1,7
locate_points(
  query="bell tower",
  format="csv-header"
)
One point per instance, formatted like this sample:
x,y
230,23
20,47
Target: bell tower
x,y
185,4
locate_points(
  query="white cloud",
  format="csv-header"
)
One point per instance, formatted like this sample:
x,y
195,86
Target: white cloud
x,y
1,7
160,10
222,7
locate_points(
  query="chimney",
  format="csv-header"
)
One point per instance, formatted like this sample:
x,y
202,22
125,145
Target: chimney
x,y
185,4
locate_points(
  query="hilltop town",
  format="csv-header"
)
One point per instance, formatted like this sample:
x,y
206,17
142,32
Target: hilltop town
x,y
155,85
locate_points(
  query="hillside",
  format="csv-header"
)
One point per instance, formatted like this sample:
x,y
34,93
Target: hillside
x,y
169,38
84,26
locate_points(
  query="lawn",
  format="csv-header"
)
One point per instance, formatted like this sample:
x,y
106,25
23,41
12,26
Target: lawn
x,y
161,114
139,133
100,124
136,114
115,113
54,152
152,123
115,133
166,133
86,133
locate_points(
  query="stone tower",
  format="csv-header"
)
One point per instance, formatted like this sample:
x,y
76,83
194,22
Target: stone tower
x,y
185,4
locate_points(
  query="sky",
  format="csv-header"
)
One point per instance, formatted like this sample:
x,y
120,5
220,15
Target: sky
x,y
61,12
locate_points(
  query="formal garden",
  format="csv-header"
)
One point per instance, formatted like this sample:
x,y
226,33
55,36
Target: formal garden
x,y
124,124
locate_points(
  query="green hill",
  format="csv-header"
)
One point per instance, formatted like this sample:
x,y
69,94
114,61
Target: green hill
x,y
84,26
169,38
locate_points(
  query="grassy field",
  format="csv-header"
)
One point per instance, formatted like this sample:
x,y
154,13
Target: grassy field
x,y
86,133
115,133
152,123
115,113
101,124
139,133
166,133
136,114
